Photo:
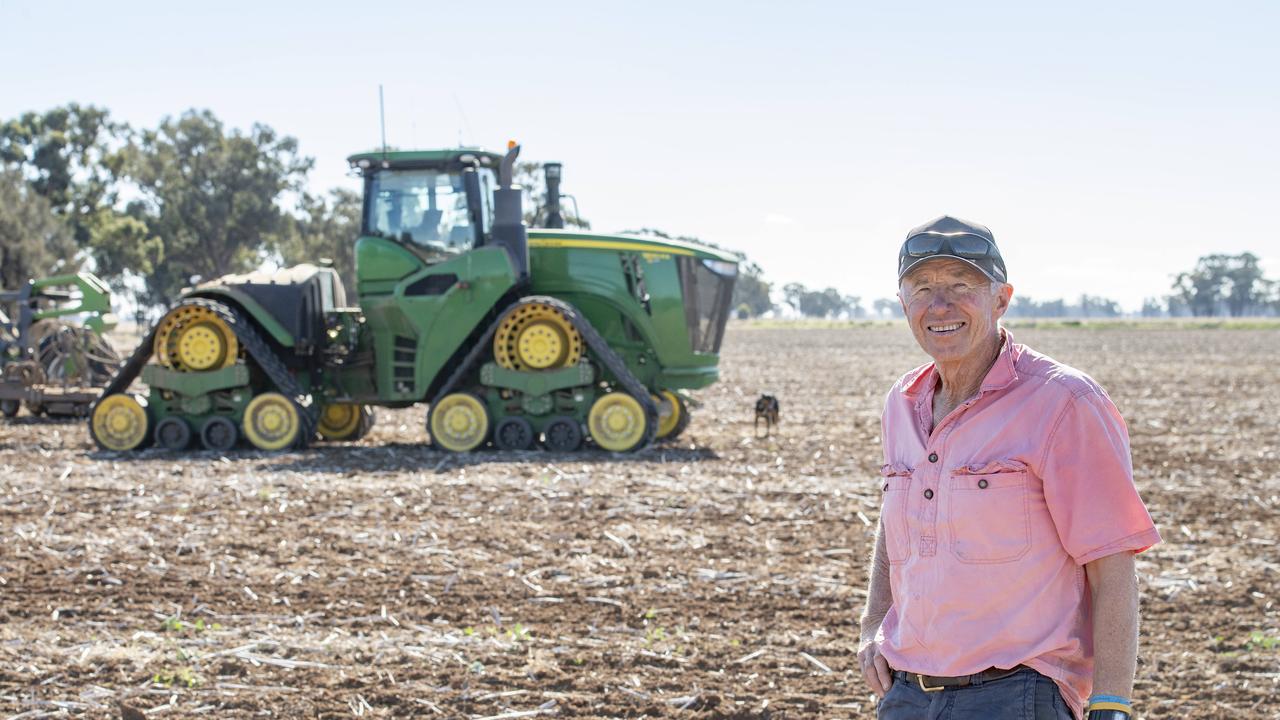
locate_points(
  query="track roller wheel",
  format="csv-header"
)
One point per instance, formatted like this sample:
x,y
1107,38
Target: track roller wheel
x,y
9,407
271,422
173,433
192,338
513,433
458,423
562,434
536,336
343,421
617,422
673,415
120,422
219,433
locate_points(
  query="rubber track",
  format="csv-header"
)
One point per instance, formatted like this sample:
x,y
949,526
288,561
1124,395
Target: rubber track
x,y
253,343
595,343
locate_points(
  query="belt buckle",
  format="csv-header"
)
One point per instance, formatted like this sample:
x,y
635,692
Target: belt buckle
x,y
926,688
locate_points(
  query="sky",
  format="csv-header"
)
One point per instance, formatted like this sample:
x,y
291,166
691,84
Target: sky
x,y
1107,145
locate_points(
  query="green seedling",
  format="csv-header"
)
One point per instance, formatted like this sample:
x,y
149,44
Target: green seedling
x,y
175,624
184,677
468,631
518,633
655,635
1259,640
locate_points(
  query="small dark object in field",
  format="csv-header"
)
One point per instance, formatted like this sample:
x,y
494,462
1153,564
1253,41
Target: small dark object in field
x,y
767,408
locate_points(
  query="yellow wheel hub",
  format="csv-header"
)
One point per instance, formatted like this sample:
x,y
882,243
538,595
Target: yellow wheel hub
x,y
120,422
668,419
459,422
271,422
616,422
536,336
339,421
192,339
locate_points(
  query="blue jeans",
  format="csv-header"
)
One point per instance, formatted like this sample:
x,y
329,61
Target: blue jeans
x,y
1025,695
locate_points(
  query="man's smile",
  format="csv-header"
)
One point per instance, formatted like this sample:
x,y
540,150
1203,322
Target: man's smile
x,y
945,329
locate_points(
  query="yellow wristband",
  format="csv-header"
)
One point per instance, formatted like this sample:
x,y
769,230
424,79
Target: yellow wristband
x,y
1104,705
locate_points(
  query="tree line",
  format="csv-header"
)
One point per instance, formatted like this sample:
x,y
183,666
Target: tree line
x,y
1220,284
152,208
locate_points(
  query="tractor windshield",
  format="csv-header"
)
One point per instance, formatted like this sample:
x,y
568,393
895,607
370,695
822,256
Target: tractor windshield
x,y
707,286
426,208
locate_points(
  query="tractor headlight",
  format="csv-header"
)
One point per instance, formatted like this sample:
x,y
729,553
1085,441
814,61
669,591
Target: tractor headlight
x,y
721,268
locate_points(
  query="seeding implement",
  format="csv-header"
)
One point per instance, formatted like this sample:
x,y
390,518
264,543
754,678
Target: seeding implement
x,y
513,336
51,365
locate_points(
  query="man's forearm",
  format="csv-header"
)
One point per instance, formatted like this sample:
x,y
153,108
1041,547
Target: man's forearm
x,y
1113,585
879,594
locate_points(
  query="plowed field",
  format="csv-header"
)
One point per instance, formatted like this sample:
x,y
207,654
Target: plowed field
x,y
715,577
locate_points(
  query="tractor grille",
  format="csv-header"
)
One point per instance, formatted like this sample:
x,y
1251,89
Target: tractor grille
x,y
404,358
707,286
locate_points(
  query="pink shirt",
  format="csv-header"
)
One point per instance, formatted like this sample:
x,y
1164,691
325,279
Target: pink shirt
x,y
990,517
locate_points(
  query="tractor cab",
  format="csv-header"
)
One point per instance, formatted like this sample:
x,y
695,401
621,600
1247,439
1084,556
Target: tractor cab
x,y
435,203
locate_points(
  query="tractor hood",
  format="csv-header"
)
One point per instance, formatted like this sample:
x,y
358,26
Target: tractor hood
x,y
542,238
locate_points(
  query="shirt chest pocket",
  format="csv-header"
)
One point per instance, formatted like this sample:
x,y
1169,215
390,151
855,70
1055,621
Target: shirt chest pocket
x,y
988,512
895,482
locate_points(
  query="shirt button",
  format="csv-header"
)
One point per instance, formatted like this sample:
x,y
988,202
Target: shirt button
x,y
928,494
933,457
982,483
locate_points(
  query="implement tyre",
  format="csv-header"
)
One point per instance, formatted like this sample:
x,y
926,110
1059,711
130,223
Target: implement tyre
x,y
120,423
218,434
562,434
459,422
536,336
672,424
617,422
272,422
343,421
513,433
173,433
192,338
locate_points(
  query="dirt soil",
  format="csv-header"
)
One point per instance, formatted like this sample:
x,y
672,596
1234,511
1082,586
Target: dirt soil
x,y
714,578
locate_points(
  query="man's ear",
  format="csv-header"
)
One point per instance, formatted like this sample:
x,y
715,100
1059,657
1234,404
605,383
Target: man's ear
x,y
1003,298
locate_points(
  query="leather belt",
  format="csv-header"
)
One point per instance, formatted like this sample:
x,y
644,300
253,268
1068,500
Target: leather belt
x,y
933,683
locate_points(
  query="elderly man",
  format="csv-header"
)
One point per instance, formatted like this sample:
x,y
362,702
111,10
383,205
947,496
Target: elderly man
x,y
1002,581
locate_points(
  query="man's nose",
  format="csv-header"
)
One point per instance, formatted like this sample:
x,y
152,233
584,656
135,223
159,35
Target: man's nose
x,y
941,299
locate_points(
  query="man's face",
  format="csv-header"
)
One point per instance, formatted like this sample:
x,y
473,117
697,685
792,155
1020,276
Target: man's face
x,y
951,309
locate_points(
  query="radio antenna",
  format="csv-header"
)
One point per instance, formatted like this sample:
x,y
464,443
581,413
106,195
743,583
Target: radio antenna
x,y
382,120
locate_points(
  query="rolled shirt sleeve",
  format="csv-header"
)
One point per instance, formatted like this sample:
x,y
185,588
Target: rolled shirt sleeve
x,y
1088,482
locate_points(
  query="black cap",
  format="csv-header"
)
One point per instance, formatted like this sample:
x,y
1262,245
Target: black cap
x,y
950,237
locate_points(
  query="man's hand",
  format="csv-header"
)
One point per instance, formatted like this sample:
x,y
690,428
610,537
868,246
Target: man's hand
x,y
874,667
879,599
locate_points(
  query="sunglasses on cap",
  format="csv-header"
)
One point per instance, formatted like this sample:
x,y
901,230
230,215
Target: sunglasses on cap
x,y
965,245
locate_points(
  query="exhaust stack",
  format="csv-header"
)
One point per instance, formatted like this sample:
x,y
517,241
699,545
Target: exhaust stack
x,y
552,173
508,214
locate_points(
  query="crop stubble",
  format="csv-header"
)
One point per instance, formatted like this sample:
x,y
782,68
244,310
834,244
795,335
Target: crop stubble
x,y
718,577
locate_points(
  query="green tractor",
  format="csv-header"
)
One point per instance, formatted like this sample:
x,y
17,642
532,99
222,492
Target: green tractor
x,y
514,336
49,361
